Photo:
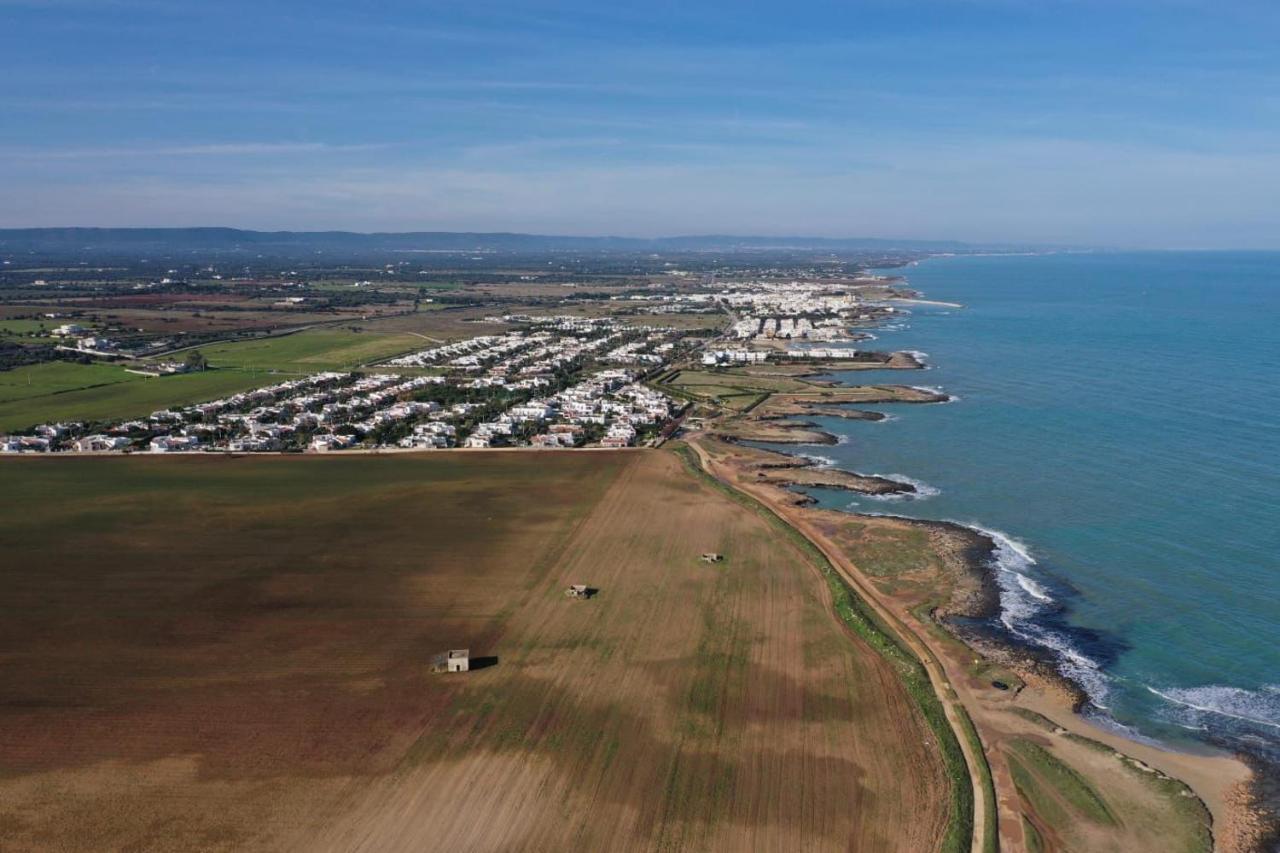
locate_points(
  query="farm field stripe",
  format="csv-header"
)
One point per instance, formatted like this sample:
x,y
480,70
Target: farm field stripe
x,y
972,788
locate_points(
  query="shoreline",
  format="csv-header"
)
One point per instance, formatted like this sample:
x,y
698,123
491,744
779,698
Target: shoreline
x,y
1239,789
1247,824
1223,782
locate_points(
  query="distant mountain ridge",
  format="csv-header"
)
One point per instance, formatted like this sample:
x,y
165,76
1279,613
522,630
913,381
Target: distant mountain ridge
x,y
120,240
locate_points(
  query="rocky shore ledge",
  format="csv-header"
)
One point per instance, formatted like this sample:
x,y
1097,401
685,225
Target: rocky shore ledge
x,y
785,470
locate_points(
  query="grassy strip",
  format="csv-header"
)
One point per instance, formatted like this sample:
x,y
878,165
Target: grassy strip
x,y
1184,800
1035,844
855,613
135,396
1036,719
1069,784
1046,807
991,820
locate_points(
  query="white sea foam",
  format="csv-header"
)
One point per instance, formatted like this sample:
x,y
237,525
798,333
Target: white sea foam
x,y
886,419
1034,589
918,355
922,489
819,461
934,389
1261,707
842,439
1024,600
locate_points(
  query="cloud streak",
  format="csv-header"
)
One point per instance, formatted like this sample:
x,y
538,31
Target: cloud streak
x,y
215,149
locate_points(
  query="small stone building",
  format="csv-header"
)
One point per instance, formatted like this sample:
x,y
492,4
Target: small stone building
x,y
454,660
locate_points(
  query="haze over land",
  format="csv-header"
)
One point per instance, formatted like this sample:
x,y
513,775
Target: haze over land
x,y
1136,124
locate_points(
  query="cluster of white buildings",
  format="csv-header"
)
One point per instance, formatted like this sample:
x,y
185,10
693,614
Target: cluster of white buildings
x,y
515,374
609,402
447,352
792,310
652,350
820,352
264,419
716,357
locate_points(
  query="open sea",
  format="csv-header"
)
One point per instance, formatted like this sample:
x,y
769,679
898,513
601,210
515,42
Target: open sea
x,y
1117,427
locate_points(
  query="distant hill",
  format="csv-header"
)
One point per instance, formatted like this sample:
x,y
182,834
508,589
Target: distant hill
x,y
168,240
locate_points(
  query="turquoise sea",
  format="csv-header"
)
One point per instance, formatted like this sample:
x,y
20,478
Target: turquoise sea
x,y
1117,426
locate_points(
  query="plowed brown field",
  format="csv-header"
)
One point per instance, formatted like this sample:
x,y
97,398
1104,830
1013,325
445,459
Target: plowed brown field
x,y
230,654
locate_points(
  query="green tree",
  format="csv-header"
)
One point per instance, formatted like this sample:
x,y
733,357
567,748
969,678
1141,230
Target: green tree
x,y
196,360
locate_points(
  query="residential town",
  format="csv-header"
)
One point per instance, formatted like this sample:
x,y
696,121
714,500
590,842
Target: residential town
x,y
552,380
568,383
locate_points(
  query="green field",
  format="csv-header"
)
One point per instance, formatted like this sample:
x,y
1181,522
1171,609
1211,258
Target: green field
x,y
25,327
709,382
313,350
53,377
63,391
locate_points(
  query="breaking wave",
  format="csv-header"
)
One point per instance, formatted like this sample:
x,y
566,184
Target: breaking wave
x,y
1025,602
818,461
934,389
1259,707
922,489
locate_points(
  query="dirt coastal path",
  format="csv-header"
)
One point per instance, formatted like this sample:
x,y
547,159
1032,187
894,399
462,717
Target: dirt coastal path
x,y
1219,781
938,676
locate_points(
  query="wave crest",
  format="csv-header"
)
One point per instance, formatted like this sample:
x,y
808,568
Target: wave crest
x,y
1261,707
1024,601
922,489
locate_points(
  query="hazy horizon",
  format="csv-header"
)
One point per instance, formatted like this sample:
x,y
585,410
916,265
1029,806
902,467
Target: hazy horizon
x,y
1130,125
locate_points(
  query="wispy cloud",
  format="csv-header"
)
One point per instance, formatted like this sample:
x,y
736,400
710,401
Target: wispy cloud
x,y
216,149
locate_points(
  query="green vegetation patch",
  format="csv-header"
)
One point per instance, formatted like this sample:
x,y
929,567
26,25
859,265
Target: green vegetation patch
x,y
886,552
313,350
25,327
1049,782
743,383
98,392
1040,720
54,377
1035,844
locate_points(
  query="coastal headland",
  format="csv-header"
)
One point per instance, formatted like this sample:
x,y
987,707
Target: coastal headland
x,y
1057,780
234,647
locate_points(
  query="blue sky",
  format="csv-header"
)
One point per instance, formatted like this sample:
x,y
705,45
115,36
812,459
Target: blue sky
x,y
1129,123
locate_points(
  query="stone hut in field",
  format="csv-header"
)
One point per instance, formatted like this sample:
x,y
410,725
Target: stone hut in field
x,y
454,660
710,557
579,590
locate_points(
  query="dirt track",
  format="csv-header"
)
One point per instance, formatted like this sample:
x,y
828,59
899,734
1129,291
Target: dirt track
x,y
937,674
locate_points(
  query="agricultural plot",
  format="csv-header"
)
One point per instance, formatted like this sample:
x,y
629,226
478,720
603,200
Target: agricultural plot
x,y
55,377
15,328
312,350
437,323
64,391
696,380
233,654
